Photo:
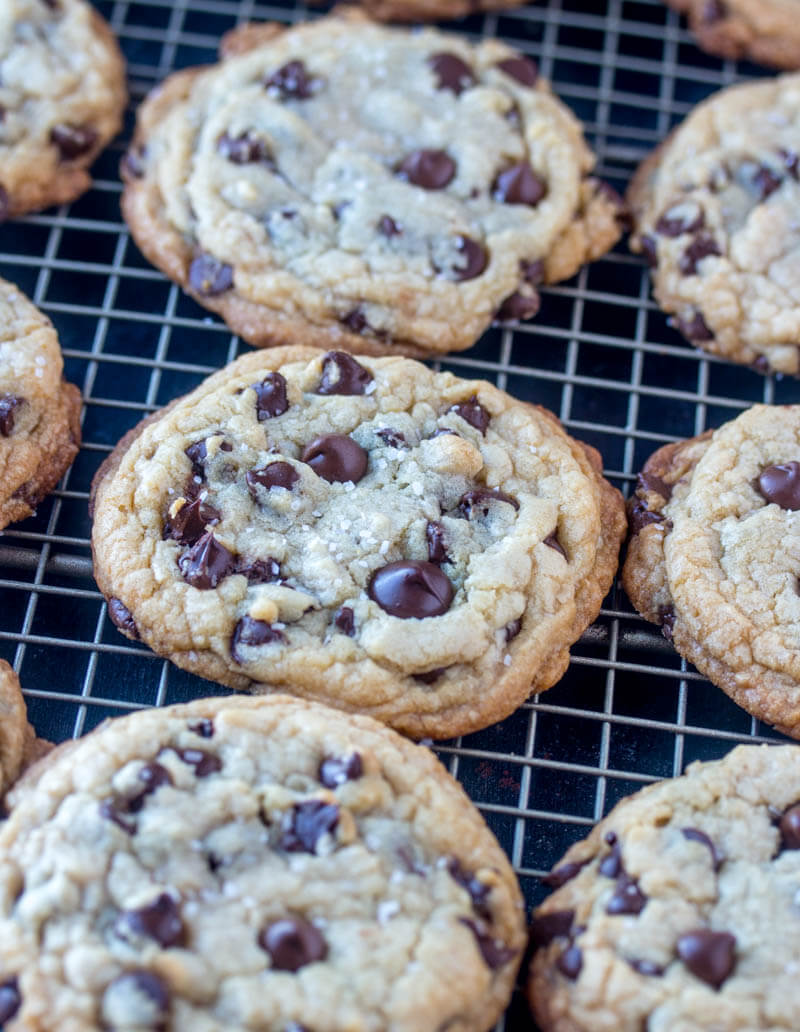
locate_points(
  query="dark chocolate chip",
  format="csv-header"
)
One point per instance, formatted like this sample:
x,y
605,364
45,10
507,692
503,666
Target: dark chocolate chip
x,y
791,160
546,928
10,998
204,763
116,810
565,872
712,11
649,250
475,259
666,616
429,676
209,276
627,897
146,983
336,458
388,227
694,328
271,400
206,563
253,632
160,920
674,222
344,621
119,809
336,770
696,835
790,827
341,374
292,943
259,571
781,485
611,864
430,169
121,617
292,81
451,72
197,454
9,403
532,271
480,498
73,141
434,535
646,967
710,956
570,962
552,542
519,305
245,149
703,246
473,412
477,890
649,482
189,523
393,438
513,628
152,776
765,181
306,824
494,952
640,516
355,320
410,588
204,728
5,204
518,184
522,69
276,474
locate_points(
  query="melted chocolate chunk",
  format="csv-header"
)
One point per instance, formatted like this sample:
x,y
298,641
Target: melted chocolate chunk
x,y
245,149
9,403
494,952
532,271
145,983
271,400
259,571
513,628
117,811
253,632
341,374
521,69
204,728
552,542
765,181
344,621
336,458
519,184
566,872
703,246
789,827
781,485
546,928
204,763
336,770
393,438
189,523
306,824
666,615
430,169
292,81
695,835
292,943
160,920
649,250
472,412
627,898
570,962
693,329
519,305
640,516
710,956
209,276
451,72
611,864
121,617
674,222
206,563
197,454
152,776
429,676
276,474
475,260
646,967
478,891
650,482
480,499
434,535
10,998
388,227
73,141
355,320
411,589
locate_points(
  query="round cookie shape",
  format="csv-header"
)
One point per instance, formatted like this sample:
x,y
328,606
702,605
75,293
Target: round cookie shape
x,y
39,413
760,30
62,94
364,188
432,571
678,911
714,557
713,211
249,863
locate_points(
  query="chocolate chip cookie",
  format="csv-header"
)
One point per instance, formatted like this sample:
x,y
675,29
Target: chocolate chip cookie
x,y
39,412
680,909
714,213
715,557
239,864
62,95
365,532
347,185
431,10
762,30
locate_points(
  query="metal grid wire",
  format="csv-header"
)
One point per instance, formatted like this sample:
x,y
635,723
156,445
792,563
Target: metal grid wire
x,y
599,354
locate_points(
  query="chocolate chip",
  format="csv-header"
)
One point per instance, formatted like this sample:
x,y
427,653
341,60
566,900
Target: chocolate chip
x,y
430,169
197,454
473,412
292,943
116,811
478,891
209,276
244,149
552,542
703,246
336,458
121,617
649,249
306,824
611,864
204,728
150,986
119,809
693,328
649,482
696,835
5,204
646,967
206,563
410,588
451,72
341,374
546,928
640,516
518,184
781,485
393,438
712,11
343,621
512,629
292,81
355,320
10,998
791,160
570,962
627,897
475,260
204,763
566,872
519,305
9,403
189,523
666,616
276,474
790,827
336,770
522,69
253,632
681,218
710,956
434,535
429,676
160,920
765,181
480,498
73,141
532,271
494,952
388,227
259,571
271,400
152,776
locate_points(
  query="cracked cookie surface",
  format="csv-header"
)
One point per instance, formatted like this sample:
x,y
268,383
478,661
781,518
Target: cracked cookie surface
x,y
242,864
366,188
62,94
679,911
715,557
365,532
39,412
761,30
714,216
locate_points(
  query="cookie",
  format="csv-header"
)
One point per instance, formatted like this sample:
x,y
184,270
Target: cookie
x,y
714,557
679,911
238,864
714,216
432,10
761,30
39,413
62,95
16,735
342,184
367,533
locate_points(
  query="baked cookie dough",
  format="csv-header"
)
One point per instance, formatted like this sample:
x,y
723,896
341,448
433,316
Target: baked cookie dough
x,y
431,10
242,864
766,31
347,185
39,413
680,909
714,211
16,735
367,533
62,95
714,557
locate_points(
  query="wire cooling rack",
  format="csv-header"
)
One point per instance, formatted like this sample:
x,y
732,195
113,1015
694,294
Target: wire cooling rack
x,y
599,354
